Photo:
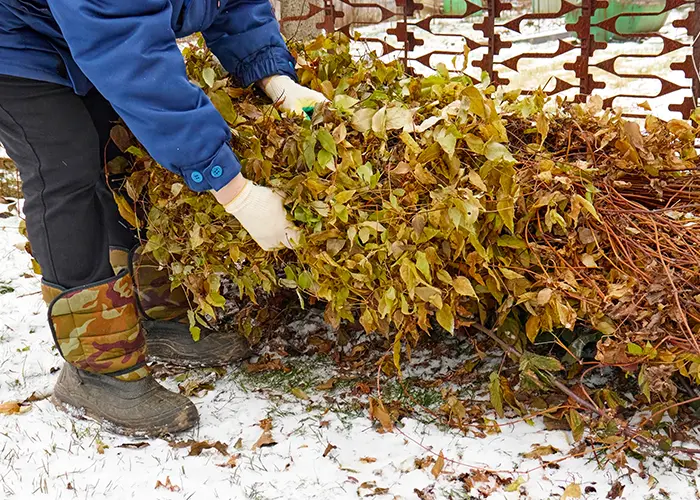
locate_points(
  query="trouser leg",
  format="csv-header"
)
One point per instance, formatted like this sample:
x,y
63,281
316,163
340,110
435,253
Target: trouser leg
x,y
50,135
120,233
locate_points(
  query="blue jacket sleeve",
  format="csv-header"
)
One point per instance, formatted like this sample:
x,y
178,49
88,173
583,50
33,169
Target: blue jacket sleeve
x,y
128,51
246,38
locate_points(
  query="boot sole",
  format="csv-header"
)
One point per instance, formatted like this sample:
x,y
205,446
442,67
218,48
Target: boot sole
x,y
84,414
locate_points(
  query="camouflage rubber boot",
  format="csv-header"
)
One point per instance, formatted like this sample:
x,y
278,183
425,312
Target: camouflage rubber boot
x,y
163,310
105,378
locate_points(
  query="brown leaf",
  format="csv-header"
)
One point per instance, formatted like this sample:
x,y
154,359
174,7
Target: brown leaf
x,y
10,408
327,385
264,440
134,446
120,137
368,460
541,451
324,423
426,493
197,447
329,448
167,485
616,491
239,444
439,465
34,397
378,412
231,463
265,424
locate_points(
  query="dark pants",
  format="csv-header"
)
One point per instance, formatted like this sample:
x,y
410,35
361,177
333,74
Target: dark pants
x,y
59,142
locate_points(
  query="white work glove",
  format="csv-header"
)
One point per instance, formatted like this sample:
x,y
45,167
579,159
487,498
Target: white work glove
x,y
260,210
291,96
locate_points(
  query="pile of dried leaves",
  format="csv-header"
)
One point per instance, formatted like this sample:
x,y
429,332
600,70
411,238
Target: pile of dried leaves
x,y
435,198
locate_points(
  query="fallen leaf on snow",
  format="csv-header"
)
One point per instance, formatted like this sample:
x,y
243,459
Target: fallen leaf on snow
x,y
231,462
134,446
368,460
439,465
167,485
515,485
326,386
572,491
377,412
196,447
36,397
10,408
541,451
264,440
615,491
299,393
426,493
329,448
424,463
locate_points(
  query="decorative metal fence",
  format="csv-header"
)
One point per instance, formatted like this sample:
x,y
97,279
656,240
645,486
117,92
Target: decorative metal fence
x,y
629,52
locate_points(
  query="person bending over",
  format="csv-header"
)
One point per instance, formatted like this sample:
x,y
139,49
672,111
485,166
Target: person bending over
x,y
68,70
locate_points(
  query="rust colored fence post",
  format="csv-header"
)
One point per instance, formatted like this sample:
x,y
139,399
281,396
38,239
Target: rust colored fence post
x,y
696,52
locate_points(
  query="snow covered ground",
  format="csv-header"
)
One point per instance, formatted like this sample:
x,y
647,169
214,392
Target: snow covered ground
x,y
322,451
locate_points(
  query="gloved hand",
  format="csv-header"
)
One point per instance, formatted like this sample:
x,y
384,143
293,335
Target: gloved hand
x,y
291,96
260,210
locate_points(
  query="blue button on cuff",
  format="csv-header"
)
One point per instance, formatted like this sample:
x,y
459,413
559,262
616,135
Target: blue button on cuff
x,y
197,177
217,171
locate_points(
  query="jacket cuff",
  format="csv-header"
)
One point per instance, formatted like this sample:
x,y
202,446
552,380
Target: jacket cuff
x,y
213,174
267,62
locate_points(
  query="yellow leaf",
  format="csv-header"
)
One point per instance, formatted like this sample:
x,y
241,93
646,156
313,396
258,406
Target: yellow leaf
x,y
299,393
507,212
476,101
464,287
588,260
587,205
439,465
532,328
543,296
397,351
126,211
572,491
515,485
446,319
511,275
477,181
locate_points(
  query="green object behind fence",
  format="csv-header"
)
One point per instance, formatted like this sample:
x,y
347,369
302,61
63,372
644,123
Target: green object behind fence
x,y
458,7
626,25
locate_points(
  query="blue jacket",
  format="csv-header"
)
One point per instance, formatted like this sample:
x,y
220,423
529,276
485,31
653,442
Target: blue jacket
x,y
127,49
